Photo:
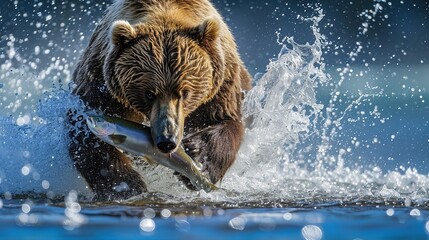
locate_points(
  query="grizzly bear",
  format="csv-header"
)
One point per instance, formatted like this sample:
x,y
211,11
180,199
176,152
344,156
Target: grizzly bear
x,y
172,63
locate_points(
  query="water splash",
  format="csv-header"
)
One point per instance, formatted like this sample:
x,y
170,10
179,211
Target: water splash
x,y
281,111
289,151
34,150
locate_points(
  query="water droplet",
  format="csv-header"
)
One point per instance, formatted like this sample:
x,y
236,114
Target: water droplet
x,y
415,212
23,120
238,223
72,196
287,216
74,207
390,212
25,170
149,213
311,232
220,212
207,212
147,225
26,154
23,218
165,213
36,50
20,121
25,208
8,195
45,184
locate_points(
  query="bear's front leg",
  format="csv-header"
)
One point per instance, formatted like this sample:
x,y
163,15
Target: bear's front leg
x,y
215,147
106,170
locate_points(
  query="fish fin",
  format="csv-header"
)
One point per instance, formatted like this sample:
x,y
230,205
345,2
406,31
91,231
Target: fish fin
x,y
150,161
117,139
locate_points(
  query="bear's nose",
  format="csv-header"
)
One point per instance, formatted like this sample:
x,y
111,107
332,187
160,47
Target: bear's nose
x,y
166,144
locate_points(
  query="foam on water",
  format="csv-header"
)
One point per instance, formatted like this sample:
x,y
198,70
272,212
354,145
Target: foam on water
x,y
286,154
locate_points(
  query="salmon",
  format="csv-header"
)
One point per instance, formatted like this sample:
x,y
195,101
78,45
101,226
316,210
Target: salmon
x,y
136,139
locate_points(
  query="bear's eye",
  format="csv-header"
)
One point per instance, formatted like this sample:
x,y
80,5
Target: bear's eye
x,y
150,96
185,94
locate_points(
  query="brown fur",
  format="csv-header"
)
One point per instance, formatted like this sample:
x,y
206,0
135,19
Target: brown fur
x,y
181,53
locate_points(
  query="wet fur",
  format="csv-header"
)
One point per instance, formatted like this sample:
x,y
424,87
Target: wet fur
x,y
180,46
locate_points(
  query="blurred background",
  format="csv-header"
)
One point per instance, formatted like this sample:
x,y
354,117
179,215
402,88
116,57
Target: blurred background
x,y
396,35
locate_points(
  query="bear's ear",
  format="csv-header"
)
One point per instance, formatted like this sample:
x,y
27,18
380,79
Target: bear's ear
x,y
206,32
122,32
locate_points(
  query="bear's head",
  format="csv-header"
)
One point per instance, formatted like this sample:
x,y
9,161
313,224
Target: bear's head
x,y
164,73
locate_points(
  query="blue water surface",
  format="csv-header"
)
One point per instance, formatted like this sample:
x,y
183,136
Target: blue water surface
x,y
142,222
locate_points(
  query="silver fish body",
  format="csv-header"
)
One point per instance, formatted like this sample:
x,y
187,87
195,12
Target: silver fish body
x,y
136,139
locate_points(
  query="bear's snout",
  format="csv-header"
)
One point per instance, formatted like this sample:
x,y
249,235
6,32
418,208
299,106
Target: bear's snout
x,y
167,124
166,144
